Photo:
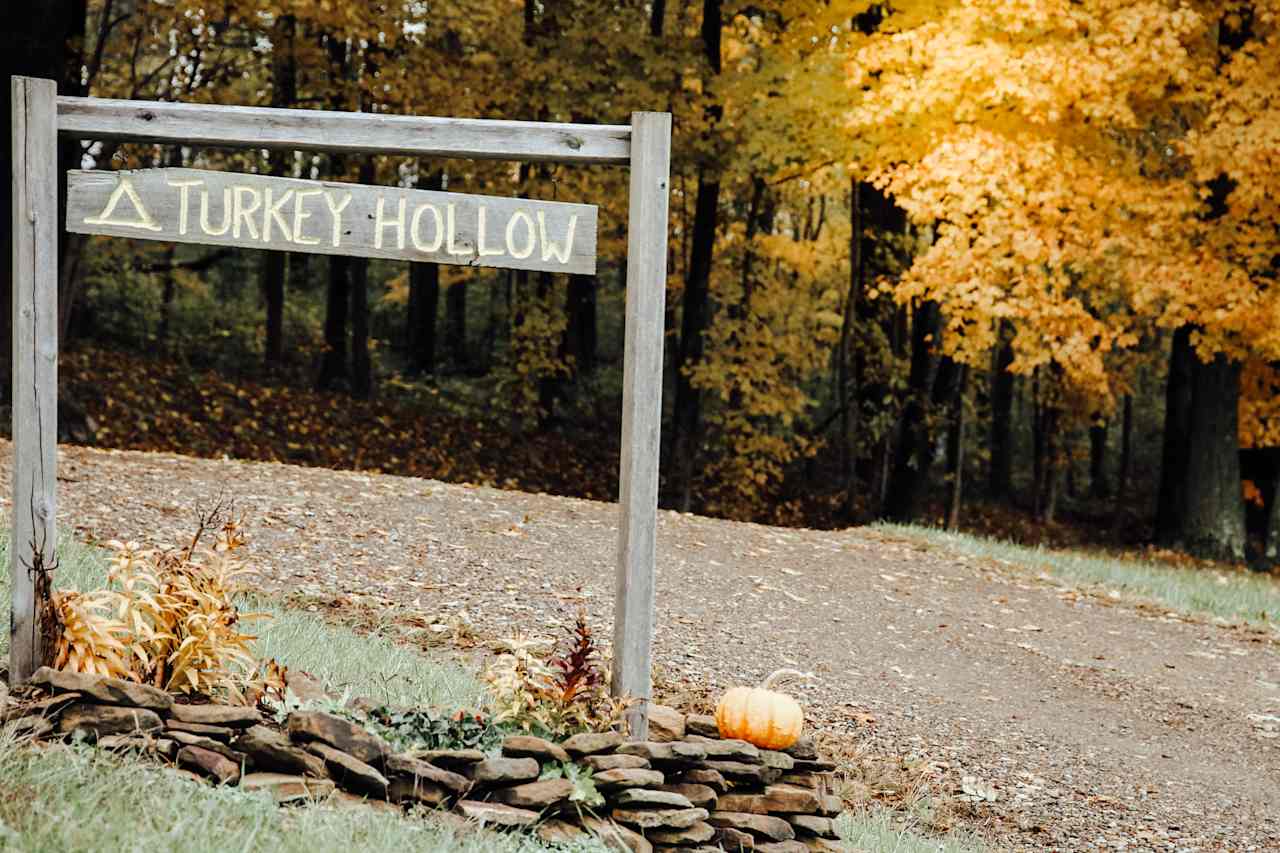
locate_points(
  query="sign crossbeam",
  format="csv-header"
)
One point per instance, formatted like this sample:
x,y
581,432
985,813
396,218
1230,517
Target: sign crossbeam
x,y
342,132
187,205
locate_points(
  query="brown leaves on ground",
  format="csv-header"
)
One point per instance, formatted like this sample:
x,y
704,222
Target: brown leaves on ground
x,y
141,403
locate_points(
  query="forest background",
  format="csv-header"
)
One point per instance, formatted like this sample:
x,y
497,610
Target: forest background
x,y
1000,264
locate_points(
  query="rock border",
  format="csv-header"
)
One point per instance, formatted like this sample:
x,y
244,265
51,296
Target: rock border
x,y
685,789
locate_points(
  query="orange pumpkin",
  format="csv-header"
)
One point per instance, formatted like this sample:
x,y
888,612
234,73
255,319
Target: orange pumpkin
x,y
761,716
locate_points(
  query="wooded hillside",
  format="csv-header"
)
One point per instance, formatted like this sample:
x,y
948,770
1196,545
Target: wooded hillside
x,y
923,254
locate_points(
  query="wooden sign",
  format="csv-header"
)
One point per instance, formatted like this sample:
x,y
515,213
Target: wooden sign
x,y
330,218
257,211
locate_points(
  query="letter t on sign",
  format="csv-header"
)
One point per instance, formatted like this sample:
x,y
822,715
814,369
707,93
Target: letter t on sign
x,y
641,414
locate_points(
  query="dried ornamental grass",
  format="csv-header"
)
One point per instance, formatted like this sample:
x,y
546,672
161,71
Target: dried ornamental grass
x,y
170,621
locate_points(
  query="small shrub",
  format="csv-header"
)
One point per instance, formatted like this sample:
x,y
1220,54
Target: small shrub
x,y
167,619
556,695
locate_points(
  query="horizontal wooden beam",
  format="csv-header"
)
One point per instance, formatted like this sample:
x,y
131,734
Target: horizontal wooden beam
x,y
342,132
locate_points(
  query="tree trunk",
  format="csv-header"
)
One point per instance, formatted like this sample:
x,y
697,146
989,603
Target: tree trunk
x,y
1051,463
1177,425
283,94
580,336
848,381
455,324
687,413
955,451
1212,501
424,305
1126,446
1000,474
1098,487
333,363
932,381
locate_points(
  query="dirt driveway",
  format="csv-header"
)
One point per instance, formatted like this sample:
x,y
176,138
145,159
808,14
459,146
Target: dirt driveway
x,y
1095,726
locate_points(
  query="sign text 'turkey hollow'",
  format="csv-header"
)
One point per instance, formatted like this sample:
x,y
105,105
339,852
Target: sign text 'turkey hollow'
x,y
326,217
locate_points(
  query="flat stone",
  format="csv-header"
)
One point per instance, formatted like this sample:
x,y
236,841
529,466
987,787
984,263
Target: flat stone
x,y
236,716
504,770
98,720
615,762
106,691
825,845
626,777
776,760
734,839
592,743
421,772
705,776
271,749
556,831
349,771
528,746
219,732
699,833
449,757
698,795
743,801
675,751
287,788
49,706
813,825
781,847
341,734
791,799
163,747
808,779
816,766
737,771
187,739
33,727
829,804
701,724
730,750
496,813
665,724
403,790
209,763
659,818
803,748
348,800
766,826
651,797
615,836
535,795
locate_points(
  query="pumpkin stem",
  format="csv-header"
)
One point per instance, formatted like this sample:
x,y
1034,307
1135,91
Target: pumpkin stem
x,y
784,673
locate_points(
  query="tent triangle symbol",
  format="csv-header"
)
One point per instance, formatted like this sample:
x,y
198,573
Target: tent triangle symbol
x,y
124,187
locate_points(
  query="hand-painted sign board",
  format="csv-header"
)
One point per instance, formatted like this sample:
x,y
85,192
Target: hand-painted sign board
x,y
327,217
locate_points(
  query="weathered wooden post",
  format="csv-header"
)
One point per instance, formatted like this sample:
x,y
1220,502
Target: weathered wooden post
x,y
641,413
35,363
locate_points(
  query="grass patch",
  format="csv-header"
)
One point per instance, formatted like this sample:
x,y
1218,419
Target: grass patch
x,y
1234,596
79,798
886,832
